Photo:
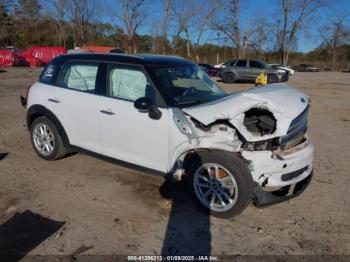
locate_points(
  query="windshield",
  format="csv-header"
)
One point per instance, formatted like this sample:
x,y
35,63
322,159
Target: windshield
x,y
188,85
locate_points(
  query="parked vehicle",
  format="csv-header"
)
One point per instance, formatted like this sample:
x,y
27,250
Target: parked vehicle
x,y
306,68
164,115
249,70
282,68
210,70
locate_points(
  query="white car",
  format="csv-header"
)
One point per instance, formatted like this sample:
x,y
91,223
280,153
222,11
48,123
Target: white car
x,y
282,68
164,115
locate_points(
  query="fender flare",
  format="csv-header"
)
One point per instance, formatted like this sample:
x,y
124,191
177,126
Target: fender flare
x,y
36,111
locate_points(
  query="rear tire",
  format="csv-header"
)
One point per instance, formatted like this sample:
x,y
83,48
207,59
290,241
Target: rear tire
x,y
46,140
229,78
224,192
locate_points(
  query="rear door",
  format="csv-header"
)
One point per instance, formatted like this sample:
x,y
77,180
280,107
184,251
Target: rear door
x,y
75,102
255,69
126,133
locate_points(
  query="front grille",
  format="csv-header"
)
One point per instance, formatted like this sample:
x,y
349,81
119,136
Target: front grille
x,y
296,131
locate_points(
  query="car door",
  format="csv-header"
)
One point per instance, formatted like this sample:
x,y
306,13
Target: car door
x,y
126,133
241,69
255,69
74,101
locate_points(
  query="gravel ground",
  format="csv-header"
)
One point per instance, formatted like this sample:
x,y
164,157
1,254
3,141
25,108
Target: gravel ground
x,y
95,207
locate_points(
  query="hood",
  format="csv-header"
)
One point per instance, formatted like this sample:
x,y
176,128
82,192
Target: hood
x,y
283,101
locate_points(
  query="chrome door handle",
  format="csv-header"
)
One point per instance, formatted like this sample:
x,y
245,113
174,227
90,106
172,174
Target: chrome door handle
x,y
53,100
107,112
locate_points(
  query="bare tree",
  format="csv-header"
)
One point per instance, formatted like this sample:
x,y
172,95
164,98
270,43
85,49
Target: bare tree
x,y
165,24
183,13
200,24
261,38
56,15
133,14
82,11
335,34
295,15
227,22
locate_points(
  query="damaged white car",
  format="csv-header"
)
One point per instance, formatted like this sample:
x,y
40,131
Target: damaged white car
x,y
164,115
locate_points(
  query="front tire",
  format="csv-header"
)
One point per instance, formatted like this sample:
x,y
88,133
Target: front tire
x,y
220,182
46,140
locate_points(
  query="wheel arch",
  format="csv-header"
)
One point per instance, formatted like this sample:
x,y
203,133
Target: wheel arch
x,y
184,160
36,111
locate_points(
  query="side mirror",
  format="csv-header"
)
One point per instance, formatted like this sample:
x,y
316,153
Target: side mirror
x,y
143,104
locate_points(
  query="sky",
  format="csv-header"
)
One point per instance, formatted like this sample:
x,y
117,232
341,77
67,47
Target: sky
x,y
249,9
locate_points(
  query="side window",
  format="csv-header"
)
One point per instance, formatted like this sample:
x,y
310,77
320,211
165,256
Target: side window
x,y
48,75
129,83
256,64
79,76
241,63
233,62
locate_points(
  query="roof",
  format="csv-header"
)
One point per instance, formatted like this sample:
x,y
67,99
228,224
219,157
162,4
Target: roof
x,y
142,59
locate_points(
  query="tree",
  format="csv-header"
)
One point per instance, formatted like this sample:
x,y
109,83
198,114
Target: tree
x,y
30,10
165,24
335,34
227,22
133,14
183,14
200,24
55,17
5,23
295,15
82,12
261,39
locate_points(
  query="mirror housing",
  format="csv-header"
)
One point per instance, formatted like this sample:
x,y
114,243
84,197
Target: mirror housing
x,y
143,104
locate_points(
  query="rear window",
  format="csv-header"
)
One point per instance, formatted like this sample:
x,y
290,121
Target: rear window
x,y
79,76
49,74
241,63
256,64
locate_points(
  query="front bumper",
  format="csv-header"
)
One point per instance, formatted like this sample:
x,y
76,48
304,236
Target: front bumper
x,y
280,175
264,198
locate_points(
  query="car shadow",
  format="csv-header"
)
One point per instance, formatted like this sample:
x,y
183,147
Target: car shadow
x,y
23,232
188,228
2,71
3,156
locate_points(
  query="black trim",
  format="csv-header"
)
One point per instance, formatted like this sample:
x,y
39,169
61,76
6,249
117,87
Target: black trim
x,y
119,162
38,110
294,174
264,198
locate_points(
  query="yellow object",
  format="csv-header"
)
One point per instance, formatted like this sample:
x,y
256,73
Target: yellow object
x,y
261,79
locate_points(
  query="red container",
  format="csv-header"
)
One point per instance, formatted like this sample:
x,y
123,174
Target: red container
x,y
46,53
7,58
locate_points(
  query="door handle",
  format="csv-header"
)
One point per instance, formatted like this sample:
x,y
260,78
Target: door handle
x,y
53,100
107,112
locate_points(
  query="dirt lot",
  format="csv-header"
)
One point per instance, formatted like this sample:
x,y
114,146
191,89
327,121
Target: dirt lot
x,y
107,209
